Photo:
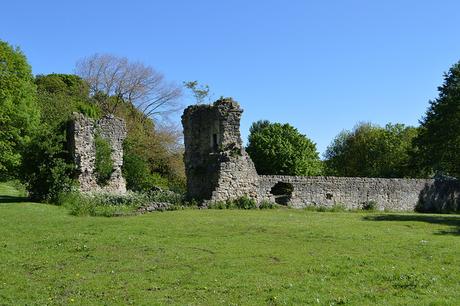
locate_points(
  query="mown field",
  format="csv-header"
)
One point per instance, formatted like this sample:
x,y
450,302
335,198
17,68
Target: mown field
x,y
226,257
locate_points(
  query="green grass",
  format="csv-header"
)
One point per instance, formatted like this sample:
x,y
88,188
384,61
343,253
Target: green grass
x,y
229,257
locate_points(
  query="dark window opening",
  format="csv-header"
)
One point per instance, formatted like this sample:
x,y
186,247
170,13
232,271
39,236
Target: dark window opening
x,y
214,142
282,192
329,196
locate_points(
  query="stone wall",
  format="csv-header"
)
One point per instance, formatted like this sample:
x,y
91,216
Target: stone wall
x,y
219,169
351,192
81,139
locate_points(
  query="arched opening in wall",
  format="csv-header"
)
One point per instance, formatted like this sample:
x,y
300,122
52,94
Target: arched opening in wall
x,y
282,192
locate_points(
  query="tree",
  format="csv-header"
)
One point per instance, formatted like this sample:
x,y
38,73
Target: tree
x,y
372,151
152,156
19,115
48,169
280,149
200,92
114,80
438,142
61,94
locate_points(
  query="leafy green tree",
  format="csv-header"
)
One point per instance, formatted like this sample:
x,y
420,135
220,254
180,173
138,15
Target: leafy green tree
x,y
372,151
61,94
280,149
19,114
438,143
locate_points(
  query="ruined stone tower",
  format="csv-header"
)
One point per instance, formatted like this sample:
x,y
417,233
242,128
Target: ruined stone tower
x,y
82,146
216,164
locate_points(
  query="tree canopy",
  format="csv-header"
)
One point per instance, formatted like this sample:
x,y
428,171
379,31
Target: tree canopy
x,y
19,115
114,80
280,149
438,143
372,151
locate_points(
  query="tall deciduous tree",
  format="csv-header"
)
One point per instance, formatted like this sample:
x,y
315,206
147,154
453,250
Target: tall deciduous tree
x,y
280,149
439,140
372,151
19,115
114,80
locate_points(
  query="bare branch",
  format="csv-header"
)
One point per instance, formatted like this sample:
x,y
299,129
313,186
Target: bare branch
x,y
132,82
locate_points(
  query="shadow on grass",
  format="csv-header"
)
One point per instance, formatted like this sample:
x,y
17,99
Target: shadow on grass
x,y
5,199
453,221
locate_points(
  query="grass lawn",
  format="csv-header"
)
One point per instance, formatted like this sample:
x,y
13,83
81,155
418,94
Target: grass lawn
x,y
228,257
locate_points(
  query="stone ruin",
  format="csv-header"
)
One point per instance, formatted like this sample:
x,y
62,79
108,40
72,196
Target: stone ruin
x,y
219,169
216,165
82,132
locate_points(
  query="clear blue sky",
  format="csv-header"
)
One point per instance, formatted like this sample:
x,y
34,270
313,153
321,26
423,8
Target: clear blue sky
x,y
322,66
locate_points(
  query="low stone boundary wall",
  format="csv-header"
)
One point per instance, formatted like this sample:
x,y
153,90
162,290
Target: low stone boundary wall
x,y
388,194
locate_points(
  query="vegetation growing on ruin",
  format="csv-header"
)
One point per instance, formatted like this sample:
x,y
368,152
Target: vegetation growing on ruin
x,y
103,161
227,257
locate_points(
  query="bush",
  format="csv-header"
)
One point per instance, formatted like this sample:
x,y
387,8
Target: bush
x,y
47,167
267,205
338,207
104,162
243,202
370,205
167,196
102,204
112,205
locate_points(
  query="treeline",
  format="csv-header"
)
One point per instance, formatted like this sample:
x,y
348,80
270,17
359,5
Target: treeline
x,y
370,150
34,113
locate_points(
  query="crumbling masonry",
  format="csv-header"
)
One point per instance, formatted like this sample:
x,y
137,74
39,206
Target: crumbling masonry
x,y
218,169
82,132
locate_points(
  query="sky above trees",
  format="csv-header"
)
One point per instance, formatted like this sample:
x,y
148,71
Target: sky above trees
x,y
322,66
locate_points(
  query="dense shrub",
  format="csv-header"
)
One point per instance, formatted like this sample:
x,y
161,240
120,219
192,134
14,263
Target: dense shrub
x,y
167,196
267,205
47,167
104,162
370,205
243,202
102,204
110,205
